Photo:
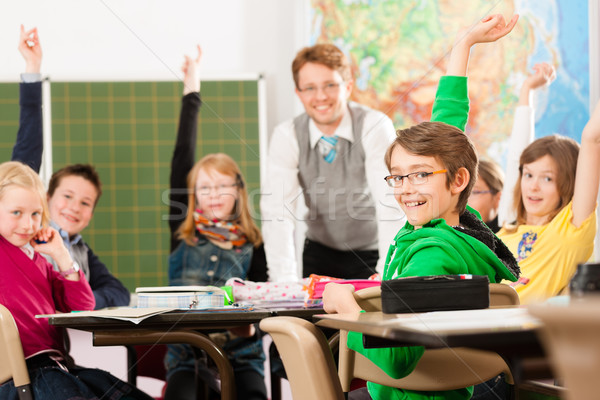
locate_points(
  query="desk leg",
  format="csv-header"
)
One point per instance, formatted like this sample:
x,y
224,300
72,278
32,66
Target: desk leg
x,y
193,338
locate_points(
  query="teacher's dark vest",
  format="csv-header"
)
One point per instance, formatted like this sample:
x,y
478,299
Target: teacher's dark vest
x,y
341,210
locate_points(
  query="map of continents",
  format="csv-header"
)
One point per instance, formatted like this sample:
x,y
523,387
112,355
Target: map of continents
x,y
399,50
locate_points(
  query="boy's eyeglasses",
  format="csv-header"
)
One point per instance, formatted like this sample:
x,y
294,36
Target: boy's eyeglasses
x,y
205,190
415,178
330,89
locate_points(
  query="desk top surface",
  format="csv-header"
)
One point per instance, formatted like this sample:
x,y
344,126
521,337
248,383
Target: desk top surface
x,y
474,328
184,319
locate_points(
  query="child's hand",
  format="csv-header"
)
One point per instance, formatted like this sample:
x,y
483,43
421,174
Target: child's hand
x,y
339,298
30,49
543,75
49,241
489,29
191,72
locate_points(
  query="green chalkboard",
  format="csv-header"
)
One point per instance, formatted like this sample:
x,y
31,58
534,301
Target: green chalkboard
x,y
9,118
127,131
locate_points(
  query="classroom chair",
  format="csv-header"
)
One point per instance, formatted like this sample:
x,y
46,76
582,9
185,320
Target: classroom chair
x,y
502,295
570,337
306,356
438,369
13,364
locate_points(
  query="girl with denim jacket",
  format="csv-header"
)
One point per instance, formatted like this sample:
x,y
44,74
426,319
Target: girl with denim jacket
x,y
213,238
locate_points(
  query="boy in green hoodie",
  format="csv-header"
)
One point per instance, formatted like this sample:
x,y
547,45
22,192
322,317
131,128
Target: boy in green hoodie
x,y
433,167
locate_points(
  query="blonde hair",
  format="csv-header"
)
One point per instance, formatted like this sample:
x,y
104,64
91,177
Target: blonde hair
x,y
225,165
492,175
14,173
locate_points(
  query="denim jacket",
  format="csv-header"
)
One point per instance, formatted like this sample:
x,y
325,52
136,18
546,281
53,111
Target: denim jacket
x,y
207,263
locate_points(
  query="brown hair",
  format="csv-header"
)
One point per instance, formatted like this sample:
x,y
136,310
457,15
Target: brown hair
x,y
564,152
325,54
448,144
225,165
85,171
492,175
14,173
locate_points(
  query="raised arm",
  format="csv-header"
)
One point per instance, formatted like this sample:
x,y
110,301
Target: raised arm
x,y
29,144
523,133
185,145
451,103
588,170
489,29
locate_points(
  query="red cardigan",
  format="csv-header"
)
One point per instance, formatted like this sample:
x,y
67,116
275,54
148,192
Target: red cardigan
x,y
32,287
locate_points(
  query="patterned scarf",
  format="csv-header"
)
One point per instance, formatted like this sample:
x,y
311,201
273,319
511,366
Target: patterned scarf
x,y
218,230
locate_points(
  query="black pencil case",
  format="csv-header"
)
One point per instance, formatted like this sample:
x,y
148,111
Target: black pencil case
x,y
435,293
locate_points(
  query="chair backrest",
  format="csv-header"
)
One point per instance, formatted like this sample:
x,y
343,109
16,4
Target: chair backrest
x,y
306,356
438,369
502,295
570,338
11,353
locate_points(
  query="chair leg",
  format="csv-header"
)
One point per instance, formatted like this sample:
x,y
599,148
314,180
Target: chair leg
x,y
275,387
131,364
24,392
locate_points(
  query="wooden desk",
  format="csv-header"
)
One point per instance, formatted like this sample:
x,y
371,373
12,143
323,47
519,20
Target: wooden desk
x,y
183,326
510,332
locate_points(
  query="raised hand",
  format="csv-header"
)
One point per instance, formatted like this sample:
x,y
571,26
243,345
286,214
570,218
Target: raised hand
x,y
544,74
191,73
490,29
30,49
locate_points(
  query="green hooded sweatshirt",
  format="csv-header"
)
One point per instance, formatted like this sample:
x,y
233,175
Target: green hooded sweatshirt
x,y
435,249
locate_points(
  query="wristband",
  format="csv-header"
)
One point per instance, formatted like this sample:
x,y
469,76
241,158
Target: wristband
x,y
74,269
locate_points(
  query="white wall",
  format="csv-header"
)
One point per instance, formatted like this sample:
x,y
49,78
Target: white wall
x,y
146,40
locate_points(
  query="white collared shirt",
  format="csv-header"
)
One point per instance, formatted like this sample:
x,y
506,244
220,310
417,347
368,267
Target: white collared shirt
x,y
28,250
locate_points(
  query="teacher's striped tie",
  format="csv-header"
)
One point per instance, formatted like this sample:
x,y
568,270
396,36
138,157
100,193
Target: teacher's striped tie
x,y
327,147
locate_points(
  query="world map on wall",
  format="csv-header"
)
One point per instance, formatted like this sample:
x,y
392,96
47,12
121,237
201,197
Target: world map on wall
x,y
399,50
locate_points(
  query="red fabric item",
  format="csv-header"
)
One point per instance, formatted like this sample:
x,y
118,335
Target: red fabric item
x,y
357,384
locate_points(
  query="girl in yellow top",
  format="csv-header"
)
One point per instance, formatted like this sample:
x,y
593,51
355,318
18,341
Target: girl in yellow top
x,y
555,200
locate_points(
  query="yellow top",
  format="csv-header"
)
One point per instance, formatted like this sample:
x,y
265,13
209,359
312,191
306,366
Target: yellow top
x,y
549,254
